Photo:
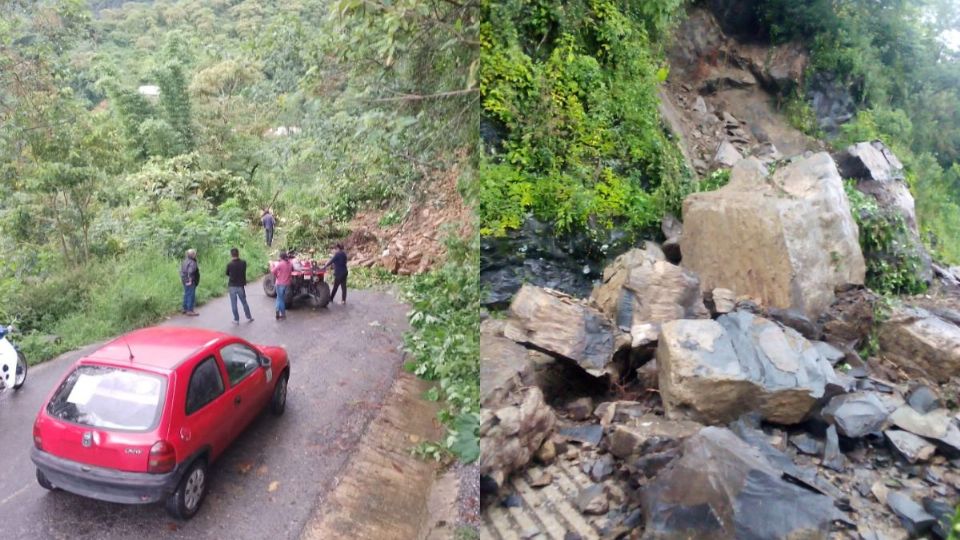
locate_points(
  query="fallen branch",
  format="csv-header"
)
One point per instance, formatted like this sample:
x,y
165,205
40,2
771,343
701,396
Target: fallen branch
x,y
422,97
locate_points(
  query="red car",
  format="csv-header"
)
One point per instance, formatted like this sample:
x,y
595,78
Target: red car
x,y
141,419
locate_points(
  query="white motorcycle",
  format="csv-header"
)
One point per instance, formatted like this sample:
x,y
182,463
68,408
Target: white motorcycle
x,y
13,365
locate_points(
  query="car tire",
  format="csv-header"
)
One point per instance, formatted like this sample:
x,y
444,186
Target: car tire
x,y
270,286
20,372
278,403
184,503
44,483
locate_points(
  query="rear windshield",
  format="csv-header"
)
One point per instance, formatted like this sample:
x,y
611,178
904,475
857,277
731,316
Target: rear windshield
x,y
110,398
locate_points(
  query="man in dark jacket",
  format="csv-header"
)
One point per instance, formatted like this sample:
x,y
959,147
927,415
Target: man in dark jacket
x,y
237,280
268,224
339,263
190,277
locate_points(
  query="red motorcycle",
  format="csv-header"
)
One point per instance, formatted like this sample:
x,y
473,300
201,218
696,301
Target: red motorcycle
x,y
306,282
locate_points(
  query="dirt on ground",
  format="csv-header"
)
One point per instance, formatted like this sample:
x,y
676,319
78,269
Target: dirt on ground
x,y
415,242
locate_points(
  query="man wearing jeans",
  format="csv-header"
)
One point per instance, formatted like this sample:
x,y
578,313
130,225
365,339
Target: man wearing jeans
x,y
339,263
282,272
268,224
237,280
190,277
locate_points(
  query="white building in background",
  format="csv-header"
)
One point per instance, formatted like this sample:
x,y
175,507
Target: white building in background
x,y
149,91
281,131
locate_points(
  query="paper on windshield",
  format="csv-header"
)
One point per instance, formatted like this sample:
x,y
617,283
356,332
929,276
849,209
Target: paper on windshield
x,y
83,389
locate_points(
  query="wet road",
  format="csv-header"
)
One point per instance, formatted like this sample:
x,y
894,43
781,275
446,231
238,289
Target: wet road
x,y
343,361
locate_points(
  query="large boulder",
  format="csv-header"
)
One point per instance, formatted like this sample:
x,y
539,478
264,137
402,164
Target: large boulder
x,y
787,240
922,343
640,287
563,326
779,69
511,434
715,371
724,489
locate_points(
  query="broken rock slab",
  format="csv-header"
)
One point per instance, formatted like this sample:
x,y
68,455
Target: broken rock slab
x,y
912,516
723,489
641,288
624,440
908,445
714,371
726,155
920,341
561,325
787,239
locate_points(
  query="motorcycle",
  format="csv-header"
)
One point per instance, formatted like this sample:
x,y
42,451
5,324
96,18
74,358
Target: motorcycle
x,y
13,365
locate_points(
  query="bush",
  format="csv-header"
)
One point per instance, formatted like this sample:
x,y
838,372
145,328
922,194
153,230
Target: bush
x,y
444,341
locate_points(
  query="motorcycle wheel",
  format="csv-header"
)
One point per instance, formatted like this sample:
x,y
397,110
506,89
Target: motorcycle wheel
x,y
20,376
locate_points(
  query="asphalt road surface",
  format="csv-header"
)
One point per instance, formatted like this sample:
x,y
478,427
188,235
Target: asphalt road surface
x,y
343,361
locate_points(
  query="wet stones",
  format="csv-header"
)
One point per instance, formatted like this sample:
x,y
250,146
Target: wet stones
x,y
714,371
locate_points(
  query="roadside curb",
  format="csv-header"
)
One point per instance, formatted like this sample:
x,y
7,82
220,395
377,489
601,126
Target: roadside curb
x,y
383,491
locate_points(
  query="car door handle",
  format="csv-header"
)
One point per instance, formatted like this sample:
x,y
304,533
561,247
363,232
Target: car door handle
x,y
237,400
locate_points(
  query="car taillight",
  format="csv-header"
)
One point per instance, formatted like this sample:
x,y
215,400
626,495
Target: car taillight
x,y
37,439
162,459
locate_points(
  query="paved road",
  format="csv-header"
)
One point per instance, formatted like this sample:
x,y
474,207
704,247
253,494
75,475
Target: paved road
x,y
343,361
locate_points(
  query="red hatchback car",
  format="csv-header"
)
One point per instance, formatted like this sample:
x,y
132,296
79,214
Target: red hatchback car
x,y
141,419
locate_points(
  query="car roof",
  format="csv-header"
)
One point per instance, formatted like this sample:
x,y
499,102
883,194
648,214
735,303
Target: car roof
x,y
160,348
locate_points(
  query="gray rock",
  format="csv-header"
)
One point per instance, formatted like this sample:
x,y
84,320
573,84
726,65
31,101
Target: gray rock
x,y
796,320
619,412
590,434
943,512
908,445
625,440
923,399
715,371
831,353
832,457
922,343
933,424
723,489
593,500
857,414
726,155
807,444
912,516
601,468
699,105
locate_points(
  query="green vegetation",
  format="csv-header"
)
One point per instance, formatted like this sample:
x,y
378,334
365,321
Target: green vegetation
x,y
572,88
317,108
892,267
954,532
892,58
445,342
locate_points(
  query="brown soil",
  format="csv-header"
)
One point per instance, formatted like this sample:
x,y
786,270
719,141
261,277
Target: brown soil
x,y
416,244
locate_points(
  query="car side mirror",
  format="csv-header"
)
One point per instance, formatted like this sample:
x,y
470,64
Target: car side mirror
x,y
264,361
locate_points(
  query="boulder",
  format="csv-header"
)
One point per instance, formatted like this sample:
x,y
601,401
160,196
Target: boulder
x,y
908,445
779,68
922,343
923,399
724,489
504,365
796,320
512,434
912,516
726,155
856,414
562,325
714,371
787,240
640,287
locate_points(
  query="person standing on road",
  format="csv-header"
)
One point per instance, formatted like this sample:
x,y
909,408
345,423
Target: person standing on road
x,y
190,277
339,263
282,272
268,224
237,280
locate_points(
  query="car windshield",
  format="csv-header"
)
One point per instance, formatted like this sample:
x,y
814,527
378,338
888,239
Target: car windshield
x,y
109,397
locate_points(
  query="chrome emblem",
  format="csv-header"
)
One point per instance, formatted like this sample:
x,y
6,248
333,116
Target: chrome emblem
x,y
87,439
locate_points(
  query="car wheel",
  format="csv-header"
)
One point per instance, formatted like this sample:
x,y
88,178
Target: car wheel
x,y
270,286
20,374
44,483
278,403
186,500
